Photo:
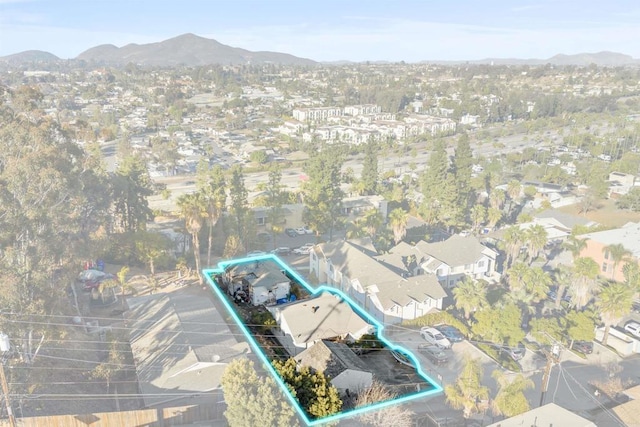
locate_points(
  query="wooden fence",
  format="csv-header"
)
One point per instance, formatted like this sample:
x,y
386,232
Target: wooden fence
x,y
161,417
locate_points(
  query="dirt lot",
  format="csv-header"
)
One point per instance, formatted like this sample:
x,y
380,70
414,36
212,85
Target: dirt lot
x,y
607,214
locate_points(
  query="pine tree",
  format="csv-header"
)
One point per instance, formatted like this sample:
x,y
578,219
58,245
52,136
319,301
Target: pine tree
x,y
239,204
370,168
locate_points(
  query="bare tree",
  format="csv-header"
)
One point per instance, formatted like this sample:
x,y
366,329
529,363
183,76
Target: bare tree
x,y
394,415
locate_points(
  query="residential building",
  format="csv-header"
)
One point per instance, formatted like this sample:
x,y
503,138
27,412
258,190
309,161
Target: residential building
x,y
354,206
381,284
258,282
547,415
303,323
452,259
628,236
347,371
316,114
181,346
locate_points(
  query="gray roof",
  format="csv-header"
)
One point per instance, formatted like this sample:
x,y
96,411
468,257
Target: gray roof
x,y
628,236
456,250
326,316
383,271
547,415
331,358
180,345
567,220
265,273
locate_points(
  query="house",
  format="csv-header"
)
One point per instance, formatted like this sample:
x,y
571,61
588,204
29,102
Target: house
x,y
337,361
303,323
553,218
628,236
626,413
258,282
382,285
452,259
181,346
353,206
547,415
620,183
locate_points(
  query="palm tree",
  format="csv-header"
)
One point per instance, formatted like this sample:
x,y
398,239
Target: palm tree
x,y
122,281
372,221
584,283
193,211
513,240
493,216
213,193
535,239
478,216
538,283
631,273
618,253
517,276
398,219
514,188
614,302
470,295
497,199
575,245
510,400
562,278
107,288
467,391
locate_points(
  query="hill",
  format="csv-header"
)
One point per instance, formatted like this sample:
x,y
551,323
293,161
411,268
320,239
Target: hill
x,y
29,56
187,49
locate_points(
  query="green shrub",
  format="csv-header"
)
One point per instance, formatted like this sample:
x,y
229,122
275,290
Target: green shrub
x,y
437,318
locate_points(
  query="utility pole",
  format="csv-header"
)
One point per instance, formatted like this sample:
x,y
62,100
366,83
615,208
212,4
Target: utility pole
x,y
553,357
5,392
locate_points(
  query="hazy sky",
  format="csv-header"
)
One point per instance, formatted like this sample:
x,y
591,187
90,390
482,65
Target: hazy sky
x,y
328,30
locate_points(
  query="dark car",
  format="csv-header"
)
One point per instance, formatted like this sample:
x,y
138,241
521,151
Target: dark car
x,y
283,250
516,353
434,353
584,347
451,332
290,232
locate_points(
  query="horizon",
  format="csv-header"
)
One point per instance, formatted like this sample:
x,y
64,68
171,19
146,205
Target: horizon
x,y
331,31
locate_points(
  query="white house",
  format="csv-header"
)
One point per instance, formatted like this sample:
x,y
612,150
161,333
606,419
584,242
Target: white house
x,y
258,282
382,285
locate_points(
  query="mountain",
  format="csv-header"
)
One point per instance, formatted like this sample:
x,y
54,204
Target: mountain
x,y
187,49
29,56
603,59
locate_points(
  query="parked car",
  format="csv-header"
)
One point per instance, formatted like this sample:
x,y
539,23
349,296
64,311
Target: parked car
x,y
434,336
401,357
452,333
256,253
433,353
517,352
584,347
95,283
290,232
282,250
307,230
304,249
301,231
633,328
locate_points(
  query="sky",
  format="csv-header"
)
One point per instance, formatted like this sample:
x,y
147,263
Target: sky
x,y
329,30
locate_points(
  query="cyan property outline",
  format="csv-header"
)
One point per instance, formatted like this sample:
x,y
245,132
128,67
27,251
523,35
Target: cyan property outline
x,y
209,273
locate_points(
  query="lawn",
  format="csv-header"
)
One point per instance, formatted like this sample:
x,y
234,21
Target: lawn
x,y
607,214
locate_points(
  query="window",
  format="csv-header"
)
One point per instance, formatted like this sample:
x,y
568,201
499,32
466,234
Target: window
x,y
481,264
604,267
606,256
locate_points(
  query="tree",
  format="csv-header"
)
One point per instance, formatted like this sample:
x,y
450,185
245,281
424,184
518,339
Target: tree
x,y
497,199
581,325
193,211
574,244
631,272
510,400
617,253
114,365
233,247
584,283
275,199
467,391
258,156
150,246
322,193
535,238
462,169
239,208
499,325
478,216
493,216
631,200
514,238
211,184
131,185
470,295
313,390
398,219
254,400
369,177
391,416
614,302
562,276
440,202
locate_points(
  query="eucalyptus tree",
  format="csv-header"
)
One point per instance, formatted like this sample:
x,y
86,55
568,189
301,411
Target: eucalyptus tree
x,y
370,172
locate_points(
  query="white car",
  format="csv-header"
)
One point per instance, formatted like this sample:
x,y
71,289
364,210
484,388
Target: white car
x,y
633,328
304,249
434,336
304,230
